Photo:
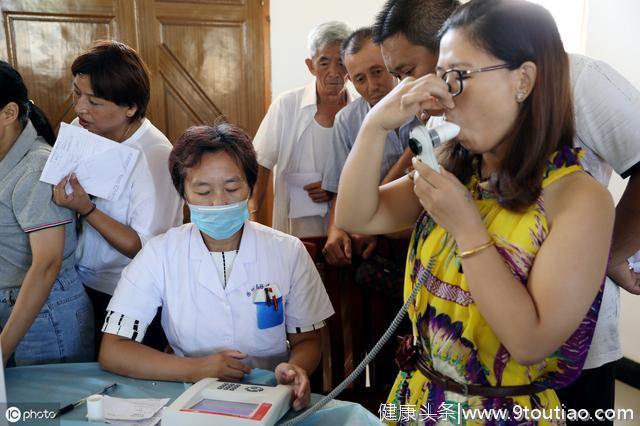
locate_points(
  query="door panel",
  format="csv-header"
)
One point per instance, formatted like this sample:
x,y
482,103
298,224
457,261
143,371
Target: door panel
x,y
42,41
201,54
206,58
211,51
44,48
180,114
212,60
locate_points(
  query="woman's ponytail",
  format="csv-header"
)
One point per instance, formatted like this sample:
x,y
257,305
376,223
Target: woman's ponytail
x,y
13,89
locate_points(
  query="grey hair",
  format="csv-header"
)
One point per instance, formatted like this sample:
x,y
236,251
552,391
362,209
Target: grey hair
x,y
327,34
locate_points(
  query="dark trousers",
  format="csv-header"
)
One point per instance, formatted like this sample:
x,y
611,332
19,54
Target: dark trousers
x,y
154,337
594,389
382,308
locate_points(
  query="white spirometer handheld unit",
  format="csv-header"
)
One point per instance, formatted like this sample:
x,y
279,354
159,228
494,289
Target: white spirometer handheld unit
x,y
214,402
422,141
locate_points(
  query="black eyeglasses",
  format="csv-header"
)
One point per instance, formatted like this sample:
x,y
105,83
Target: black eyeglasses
x,y
454,78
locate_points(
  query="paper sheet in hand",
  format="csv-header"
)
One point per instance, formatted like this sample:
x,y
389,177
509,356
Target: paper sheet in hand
x,y
138,411
300,204
101,165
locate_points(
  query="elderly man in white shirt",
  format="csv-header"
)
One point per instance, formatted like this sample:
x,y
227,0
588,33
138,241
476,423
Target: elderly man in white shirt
x,y
295,135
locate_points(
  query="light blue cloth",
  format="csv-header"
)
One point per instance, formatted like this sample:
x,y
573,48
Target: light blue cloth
x,y
62,331
345,129
66,383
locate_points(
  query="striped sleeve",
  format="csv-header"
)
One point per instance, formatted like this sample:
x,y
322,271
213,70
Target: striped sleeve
x,y
33,206
47,225
312,327
122,325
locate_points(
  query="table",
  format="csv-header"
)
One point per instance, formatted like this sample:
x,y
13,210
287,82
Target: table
x,y
66,383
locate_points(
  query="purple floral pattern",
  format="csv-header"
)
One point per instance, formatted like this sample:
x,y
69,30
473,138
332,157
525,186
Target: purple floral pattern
x,y
450,326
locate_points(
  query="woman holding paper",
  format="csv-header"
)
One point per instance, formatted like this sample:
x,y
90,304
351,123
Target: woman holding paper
x,y
110,95
45,314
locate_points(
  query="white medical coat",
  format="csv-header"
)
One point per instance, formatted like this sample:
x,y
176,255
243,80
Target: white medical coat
x,y
199,316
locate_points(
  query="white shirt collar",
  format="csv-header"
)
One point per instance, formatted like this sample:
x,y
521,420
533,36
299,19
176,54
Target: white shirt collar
x,y
310,96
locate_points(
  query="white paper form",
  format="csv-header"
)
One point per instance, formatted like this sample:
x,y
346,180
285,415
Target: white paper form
x,y
133,411
101,165
300,204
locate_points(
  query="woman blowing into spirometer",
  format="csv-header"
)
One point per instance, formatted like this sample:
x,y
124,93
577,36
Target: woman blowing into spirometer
x,y
511,238
232,291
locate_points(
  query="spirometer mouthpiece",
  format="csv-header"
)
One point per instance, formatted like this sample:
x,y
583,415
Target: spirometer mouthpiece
x,y
422,141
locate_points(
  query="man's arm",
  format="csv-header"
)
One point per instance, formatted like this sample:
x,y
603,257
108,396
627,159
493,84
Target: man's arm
x,y
607,108
626,236
400,167
257,198
337,250
267,144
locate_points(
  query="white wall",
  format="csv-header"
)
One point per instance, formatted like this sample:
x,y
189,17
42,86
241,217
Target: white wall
x,y
605,30
612,32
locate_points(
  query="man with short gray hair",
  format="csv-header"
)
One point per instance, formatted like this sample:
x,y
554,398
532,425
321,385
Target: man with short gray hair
x,y
294,136
366,70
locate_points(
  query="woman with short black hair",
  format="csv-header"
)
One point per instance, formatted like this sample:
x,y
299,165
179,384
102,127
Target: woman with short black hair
x,y
110,95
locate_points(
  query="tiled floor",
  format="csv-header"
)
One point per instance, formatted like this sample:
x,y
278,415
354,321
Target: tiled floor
x,y
628,397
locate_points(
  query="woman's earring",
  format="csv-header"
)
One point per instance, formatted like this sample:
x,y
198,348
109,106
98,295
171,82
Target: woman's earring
x,y
519,97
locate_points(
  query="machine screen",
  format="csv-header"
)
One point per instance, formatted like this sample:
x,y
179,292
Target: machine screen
x,y
232,408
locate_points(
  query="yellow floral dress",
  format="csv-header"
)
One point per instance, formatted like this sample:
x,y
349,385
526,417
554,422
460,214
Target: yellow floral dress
x,y
455,339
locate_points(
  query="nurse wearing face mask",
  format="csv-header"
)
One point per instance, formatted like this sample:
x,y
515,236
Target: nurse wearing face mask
x,y
232,291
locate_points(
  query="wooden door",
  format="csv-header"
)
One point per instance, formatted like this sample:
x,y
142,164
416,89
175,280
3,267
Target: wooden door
x,y
207,58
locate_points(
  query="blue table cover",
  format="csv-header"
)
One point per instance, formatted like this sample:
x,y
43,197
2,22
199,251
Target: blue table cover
x,y
66,383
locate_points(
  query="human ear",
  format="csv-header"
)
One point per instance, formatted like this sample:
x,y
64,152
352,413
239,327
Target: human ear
x,y
131,111
526,80
10,113
310,66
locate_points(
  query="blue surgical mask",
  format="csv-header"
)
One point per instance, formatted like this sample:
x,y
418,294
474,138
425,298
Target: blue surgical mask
x,y
220,222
